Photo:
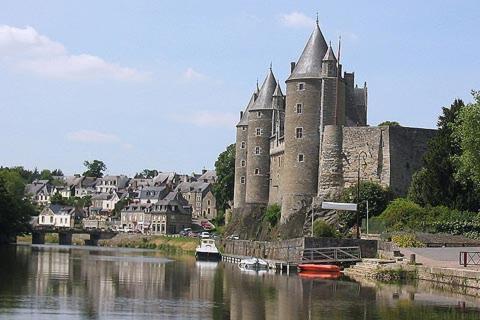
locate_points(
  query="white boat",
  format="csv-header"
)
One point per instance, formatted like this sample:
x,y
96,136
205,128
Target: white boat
x,y
207,250
253,264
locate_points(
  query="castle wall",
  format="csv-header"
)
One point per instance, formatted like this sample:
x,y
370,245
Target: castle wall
x,y
407,147
300,179
375,166
239,191
258,183
277,160
330,174
393,154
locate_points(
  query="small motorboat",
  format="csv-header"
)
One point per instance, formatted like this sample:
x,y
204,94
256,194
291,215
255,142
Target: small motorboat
x,y
207,251
310,267
253,264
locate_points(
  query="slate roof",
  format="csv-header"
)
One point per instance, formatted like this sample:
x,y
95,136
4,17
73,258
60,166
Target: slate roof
x,y
309,64
153,193
209,175
329,56
278,91
264,99
244,120
196,186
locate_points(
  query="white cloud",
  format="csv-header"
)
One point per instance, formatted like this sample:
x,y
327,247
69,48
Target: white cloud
x,y
207,119
297,20
92,136
27,50
190,74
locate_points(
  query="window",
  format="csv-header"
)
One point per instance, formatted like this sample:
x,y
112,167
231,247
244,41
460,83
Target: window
x,y
257,171
257,150
259,114
298,108
258,132
243,163
242,145
301,86
299,133
244,128
51,219
209,202
242,180
300,157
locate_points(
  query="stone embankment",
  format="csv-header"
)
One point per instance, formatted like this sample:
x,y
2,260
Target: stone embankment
x,y
382,270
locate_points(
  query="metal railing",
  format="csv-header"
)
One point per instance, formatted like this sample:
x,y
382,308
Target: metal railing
x,y
330,255
469,258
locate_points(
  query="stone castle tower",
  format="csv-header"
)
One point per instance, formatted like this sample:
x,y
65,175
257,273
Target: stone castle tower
x,y
303,146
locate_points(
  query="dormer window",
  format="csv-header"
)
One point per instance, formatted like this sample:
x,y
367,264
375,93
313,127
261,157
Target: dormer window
x,y
301,86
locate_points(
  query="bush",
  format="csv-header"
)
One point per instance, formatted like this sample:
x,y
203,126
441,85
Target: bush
x,y
402,214
407,240
378,198
323,229
272,214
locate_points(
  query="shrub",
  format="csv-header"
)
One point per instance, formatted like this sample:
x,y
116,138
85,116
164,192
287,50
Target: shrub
x,y
402,214
272,214
323,229
407,240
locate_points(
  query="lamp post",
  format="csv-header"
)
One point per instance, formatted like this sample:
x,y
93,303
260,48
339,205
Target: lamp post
x,y
362,154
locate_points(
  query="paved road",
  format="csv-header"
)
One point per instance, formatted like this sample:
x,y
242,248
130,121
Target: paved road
x,y
439,257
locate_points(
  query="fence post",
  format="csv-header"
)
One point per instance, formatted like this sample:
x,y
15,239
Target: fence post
x,y
465,259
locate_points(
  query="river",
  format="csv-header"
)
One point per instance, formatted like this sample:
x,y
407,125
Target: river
x,y
72,282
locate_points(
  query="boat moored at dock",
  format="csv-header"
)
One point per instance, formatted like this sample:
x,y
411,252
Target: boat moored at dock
x,y
207,251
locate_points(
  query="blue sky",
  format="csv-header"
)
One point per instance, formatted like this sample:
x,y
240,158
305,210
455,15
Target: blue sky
x,y
159,84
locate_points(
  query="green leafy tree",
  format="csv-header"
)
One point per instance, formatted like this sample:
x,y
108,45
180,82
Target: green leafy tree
x,y
402,214
437,182
272,214
225,168
389,124
15,209
57,173
146,174
323,229
96,168
377,196
465,132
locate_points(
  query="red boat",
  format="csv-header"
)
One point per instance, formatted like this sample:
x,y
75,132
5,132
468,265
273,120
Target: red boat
x,y
320,275
310,267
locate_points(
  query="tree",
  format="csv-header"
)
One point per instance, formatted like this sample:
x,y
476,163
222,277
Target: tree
x,y
225,168
377,196
94,168
437,182
146,174
465,133
46,174
389,124
57,173
15,209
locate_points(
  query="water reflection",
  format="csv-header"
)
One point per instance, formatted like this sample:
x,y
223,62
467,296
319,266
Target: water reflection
x,y
48,282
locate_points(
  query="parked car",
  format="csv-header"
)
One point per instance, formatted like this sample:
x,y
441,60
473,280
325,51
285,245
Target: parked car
x,y
233,237
185,232
205,235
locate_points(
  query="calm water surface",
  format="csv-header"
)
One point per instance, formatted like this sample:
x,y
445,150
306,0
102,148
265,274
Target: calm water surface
x,y
53,282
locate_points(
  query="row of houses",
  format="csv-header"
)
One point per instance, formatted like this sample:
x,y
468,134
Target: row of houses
x,y
164,204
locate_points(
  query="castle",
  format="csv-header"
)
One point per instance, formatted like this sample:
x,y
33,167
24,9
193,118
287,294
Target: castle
x,y
313,141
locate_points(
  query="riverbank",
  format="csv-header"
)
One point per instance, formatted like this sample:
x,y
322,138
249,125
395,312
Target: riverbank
x,y
176,245
164,243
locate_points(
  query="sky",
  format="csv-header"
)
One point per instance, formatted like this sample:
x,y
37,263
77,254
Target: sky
x,y
160,84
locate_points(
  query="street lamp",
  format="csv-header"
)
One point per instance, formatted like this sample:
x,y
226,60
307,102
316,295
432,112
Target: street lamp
x,y
363,155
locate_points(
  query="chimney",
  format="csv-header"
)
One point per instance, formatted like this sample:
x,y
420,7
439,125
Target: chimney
x,y
204,171
241,115
292,66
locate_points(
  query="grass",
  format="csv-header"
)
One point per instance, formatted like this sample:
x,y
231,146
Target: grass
x,y
174,245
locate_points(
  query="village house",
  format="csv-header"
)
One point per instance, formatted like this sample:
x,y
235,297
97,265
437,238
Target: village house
x,y
200,197
136,217
170,215
108,184
40,191
61,216
104,203
151,194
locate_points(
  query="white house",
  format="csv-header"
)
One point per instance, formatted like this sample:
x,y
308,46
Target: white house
x,y
60,216
40,191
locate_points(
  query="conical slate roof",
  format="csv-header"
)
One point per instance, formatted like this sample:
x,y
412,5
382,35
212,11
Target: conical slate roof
x,y
278,91
264,99
329,56
309,64
244,120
